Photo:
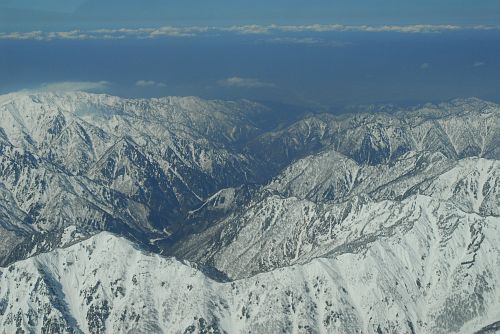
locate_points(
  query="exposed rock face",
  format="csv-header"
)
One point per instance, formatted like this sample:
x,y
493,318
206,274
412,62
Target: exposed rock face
x,y
135,167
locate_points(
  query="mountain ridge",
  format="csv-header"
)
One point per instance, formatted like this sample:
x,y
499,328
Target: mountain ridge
x,y
354,223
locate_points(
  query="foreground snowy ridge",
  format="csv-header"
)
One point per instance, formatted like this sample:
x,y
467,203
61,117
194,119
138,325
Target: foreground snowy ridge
x,y
360,223
417,281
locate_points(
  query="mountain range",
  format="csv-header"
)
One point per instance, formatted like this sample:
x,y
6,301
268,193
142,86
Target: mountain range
x,y
185,215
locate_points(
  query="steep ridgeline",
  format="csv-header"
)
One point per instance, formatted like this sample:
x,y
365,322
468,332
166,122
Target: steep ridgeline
x,y
362,223
14,224
320,205
386,141
289,223
333,205
459,129
134,167
416,281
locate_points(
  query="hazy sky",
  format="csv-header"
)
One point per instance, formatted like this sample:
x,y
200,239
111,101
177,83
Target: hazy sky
x,y
329,68
22,15
310,52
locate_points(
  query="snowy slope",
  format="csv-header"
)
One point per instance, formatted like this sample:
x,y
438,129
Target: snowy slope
x,y
138,167
419,281
459,129
135,167
374,222
13,224
291,220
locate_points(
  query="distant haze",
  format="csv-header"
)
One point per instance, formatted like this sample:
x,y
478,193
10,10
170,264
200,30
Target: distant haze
x,y
308,68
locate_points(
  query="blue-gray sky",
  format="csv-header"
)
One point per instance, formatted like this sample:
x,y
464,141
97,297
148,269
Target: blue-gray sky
x,y
24,15
314,52
307,68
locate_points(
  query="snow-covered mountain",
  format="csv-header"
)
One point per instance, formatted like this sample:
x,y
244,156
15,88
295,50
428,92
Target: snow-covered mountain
x,y
427,278
370,222
277,229
458,129
135,167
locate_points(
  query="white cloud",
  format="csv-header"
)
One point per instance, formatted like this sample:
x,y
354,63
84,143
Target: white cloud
x,y
249,29
478,64
190,31
34,35
416,28
424,66
245,83
46,36
149,83
307,41
68,86
74,34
